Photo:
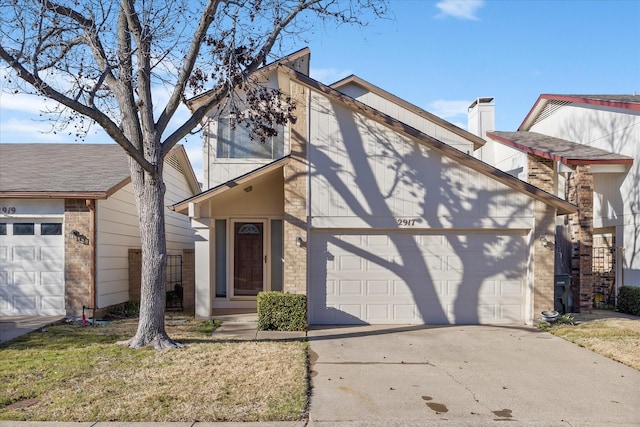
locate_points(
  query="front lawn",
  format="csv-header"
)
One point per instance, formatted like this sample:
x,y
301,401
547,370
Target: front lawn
x,y
615,338
70,373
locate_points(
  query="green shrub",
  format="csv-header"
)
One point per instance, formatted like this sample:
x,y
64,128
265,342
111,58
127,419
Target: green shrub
x,y
282,312
629,300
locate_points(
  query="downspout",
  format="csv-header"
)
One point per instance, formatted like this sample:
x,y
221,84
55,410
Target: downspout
x,y
91,204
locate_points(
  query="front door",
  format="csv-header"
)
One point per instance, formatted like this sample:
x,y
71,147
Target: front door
x,y
249,258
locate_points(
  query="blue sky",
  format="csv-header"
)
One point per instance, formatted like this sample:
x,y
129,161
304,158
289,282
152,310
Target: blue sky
x,y
440,55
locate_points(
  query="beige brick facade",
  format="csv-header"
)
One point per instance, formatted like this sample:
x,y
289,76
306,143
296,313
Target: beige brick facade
x,y
79,256
295,199
188,278
542,175
580,193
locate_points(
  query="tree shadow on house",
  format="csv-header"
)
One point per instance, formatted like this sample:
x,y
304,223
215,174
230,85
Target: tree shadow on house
x,y
381,177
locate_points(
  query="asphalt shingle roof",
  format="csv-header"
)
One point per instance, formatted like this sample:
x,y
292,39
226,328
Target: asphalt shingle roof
x,y
558,149
62,168
630,99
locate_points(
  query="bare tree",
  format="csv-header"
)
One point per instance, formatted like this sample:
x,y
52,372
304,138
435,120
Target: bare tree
x,y
110,63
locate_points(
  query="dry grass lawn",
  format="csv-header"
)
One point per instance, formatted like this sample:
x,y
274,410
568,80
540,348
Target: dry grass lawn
x,y
613,337
69,373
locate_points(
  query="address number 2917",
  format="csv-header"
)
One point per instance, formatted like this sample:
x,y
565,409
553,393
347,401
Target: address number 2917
x,y
406,222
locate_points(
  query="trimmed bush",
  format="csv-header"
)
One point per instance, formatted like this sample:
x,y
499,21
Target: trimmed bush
x,y
282,312
629,300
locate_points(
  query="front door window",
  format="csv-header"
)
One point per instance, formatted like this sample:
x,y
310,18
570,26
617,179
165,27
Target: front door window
x,y
249,262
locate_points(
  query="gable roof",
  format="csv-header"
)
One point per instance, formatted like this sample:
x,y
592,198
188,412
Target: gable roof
x,y
87,171
562,206
183,206
625,102
559,150
353,79
298,60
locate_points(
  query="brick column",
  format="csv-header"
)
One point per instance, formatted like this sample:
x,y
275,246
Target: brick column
x,y
188,280
78,255
295,199
542,174
580,193
543,258
135,273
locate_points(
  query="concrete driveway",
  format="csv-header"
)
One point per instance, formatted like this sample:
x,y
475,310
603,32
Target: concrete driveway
x,y
464,375
13,327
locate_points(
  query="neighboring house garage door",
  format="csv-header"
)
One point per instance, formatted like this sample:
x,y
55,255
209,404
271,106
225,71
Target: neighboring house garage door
x,y
31,268
417,277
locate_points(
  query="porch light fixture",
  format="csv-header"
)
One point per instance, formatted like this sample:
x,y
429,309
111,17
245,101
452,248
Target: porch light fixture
x,y
545,242
298,241
75,234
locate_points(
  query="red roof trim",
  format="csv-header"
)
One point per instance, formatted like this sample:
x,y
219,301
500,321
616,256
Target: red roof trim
x,y
591,101
538,105
555,157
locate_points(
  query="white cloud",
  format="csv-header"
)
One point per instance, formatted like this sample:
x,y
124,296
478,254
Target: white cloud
x,y
449,109
460,9
329,75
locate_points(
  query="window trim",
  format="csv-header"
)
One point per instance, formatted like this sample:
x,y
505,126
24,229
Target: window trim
x,y
285,145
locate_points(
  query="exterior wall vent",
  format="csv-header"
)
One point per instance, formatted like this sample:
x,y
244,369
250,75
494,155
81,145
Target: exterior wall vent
x,y
551,107
174,163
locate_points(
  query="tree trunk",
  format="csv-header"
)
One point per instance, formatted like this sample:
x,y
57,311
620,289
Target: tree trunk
x,y
149,191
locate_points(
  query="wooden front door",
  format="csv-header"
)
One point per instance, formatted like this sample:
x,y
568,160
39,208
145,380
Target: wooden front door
x,y
248,265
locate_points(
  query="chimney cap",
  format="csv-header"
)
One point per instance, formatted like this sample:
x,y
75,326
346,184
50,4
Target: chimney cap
x,y
481,100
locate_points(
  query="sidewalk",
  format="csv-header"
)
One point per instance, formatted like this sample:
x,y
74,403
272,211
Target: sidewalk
x,y
245,327
150,424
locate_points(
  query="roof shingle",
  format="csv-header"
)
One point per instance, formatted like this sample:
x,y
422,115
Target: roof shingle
x,y
62,168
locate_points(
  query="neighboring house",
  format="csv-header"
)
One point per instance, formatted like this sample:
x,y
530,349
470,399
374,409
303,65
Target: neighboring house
x,y
373,208
68,222
587,148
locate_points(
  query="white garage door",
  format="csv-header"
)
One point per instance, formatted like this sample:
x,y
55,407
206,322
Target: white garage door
x,y
31,268
416,278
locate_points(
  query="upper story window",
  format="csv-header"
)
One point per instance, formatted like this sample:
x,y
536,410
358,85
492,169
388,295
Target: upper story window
x,y
236,142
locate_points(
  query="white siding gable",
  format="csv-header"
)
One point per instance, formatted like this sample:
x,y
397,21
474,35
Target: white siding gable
x,y
118,231
220,170
365,175
406,116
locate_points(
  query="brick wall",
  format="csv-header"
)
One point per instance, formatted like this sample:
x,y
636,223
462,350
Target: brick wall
x,y
78,255
135,269
189,280
580,193
542,175
295,200
188,277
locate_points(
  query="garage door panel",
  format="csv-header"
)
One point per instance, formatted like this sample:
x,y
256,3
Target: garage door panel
x,y
512,287
24,278
348,263
32,276
24,253
50,305
426,278
377,288
350,287
25,304
50,253
52,278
